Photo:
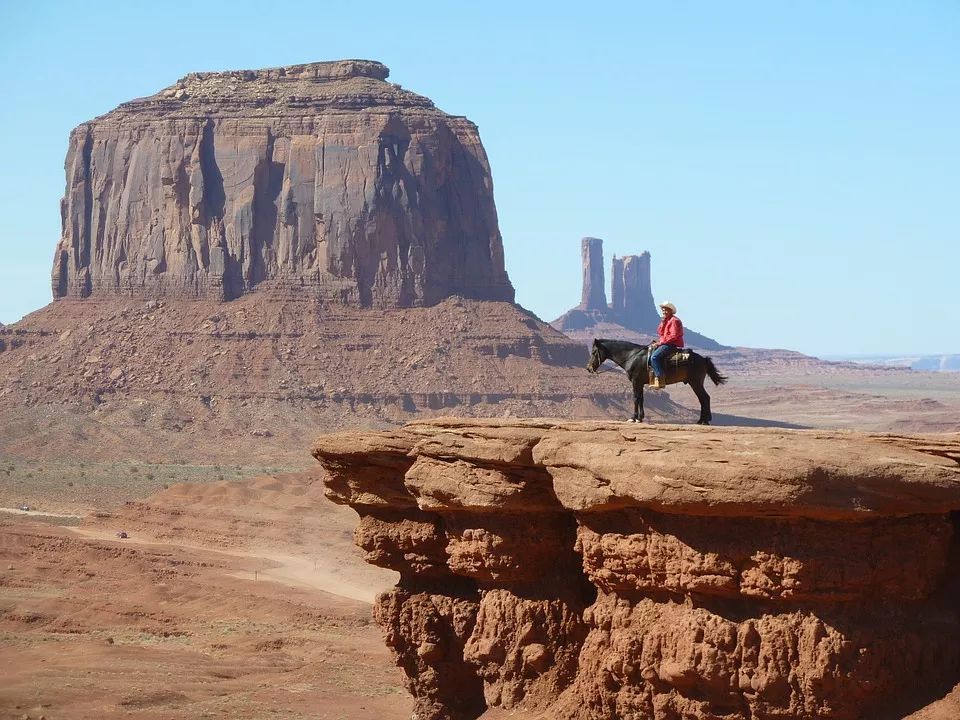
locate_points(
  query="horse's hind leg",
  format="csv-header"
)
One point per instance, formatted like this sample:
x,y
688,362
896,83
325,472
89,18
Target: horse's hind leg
x,y
705,415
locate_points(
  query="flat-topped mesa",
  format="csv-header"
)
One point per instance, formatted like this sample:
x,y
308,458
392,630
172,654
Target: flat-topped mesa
x,y
320,178
595,570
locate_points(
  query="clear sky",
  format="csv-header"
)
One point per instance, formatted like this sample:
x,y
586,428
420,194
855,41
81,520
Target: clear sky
x,y
793,168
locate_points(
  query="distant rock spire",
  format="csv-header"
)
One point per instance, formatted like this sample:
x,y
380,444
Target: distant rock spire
x,y
638,307
631,298
616,284
594,296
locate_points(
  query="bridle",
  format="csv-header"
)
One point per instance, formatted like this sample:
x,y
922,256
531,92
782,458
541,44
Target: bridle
x,y
599,369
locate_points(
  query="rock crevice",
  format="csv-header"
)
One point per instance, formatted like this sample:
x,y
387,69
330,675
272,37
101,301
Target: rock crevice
x,y
598,571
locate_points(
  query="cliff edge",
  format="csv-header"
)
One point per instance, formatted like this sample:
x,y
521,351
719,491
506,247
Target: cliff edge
x,y
591,571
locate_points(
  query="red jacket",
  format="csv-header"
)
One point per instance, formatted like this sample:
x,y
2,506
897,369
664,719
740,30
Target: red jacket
x,y
671,332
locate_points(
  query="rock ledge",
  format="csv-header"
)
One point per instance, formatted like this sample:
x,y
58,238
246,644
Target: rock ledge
x,y
599,570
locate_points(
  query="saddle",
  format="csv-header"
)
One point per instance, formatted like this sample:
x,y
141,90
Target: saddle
x,y
680,356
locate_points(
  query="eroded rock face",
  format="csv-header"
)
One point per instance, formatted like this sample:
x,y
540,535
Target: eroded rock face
x,y
594,295
605,572
319,178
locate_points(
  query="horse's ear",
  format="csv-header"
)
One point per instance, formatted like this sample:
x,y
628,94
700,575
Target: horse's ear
x,y
595,342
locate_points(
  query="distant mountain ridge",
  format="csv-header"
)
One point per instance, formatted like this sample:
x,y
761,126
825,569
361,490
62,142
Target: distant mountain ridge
x,y
949,362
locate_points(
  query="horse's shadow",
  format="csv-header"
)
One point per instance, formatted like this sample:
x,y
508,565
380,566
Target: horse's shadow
x,y
742,421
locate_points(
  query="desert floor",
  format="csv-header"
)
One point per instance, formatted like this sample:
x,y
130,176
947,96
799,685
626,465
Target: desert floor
x,y
242,599
238,592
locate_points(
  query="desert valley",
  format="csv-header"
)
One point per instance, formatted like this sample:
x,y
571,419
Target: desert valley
x,y
284,445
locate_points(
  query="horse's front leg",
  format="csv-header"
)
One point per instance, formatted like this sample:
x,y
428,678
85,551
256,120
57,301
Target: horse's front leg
x,y
637,401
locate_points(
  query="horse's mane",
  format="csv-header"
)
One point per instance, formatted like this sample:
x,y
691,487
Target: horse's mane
x,y
619,344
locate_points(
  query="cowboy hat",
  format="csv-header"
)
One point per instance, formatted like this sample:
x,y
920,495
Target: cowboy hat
x,y
669,306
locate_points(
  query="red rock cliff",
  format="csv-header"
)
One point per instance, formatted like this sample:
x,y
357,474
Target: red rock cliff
x,y
605,571
322,178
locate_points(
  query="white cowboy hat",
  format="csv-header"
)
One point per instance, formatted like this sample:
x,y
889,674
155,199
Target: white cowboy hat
x,y
669,306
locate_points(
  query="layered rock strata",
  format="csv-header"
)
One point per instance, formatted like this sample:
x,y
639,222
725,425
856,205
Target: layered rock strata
x,y
321,179
166,376
599,571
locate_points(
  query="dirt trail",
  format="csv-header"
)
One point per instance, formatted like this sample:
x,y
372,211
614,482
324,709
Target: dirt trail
x,y
320,573
39,514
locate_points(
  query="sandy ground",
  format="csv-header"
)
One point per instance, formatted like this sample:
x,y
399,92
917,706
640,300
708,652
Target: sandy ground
x,y
210,608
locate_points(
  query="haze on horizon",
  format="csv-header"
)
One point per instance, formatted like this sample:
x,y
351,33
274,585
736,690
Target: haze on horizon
x,y
794,171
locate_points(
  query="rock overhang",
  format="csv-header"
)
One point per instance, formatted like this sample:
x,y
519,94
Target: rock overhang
x,y
592,570
716,471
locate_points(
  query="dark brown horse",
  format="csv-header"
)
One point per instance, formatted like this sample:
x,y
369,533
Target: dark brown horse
x,y
635,360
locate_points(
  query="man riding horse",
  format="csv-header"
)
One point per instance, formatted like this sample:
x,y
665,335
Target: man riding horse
x,y
669,340
639,360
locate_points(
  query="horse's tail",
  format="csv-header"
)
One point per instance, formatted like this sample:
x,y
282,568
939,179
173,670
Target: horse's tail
x,y
714,374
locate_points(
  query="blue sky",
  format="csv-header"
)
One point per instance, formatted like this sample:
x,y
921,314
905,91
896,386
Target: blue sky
x,y
793,168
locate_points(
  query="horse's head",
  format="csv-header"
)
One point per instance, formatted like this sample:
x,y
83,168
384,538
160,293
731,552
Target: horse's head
x,y
597,356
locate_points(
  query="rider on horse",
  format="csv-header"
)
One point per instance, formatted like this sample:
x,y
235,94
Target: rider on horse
x,y
670,339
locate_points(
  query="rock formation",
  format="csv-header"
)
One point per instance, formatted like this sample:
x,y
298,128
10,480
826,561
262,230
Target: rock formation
x,y
595,571
594,296
632,313
352,227
634,301
321,179
165,376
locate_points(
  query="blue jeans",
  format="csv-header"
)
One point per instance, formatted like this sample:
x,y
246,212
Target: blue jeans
x,y
659,354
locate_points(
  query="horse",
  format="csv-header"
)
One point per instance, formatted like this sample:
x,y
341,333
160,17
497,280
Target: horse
x,y
635,360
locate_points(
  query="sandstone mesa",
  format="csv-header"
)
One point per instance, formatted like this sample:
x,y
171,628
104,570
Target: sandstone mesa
x,y
321,178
